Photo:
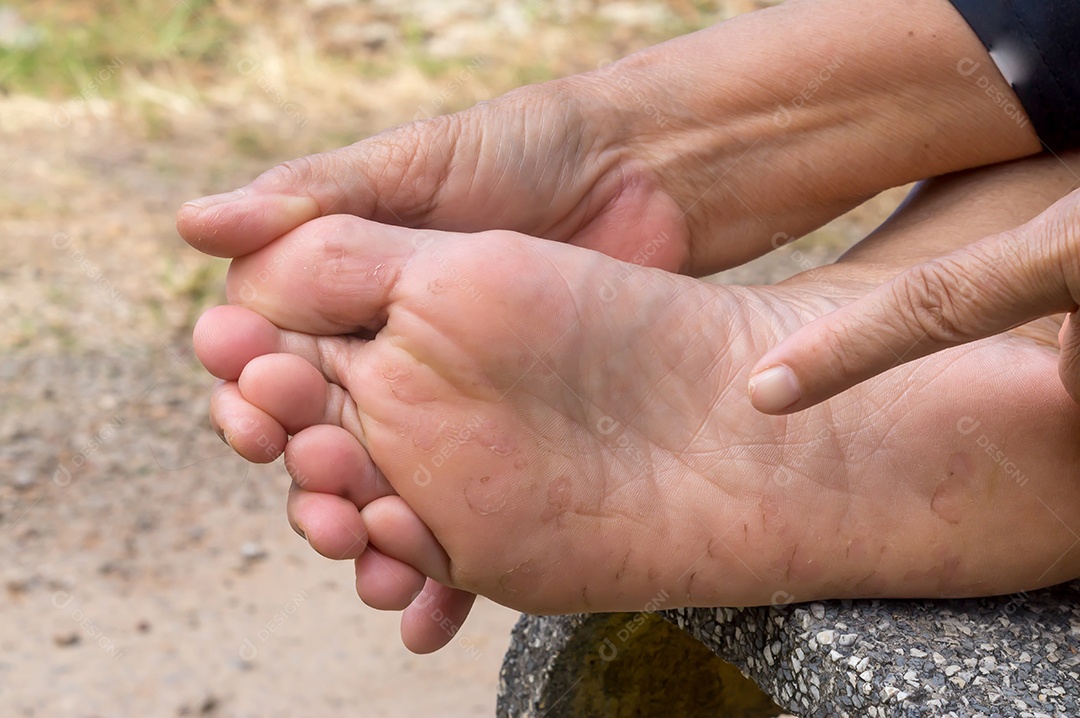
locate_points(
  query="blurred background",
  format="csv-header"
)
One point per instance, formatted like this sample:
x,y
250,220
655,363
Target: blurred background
x,y
145,570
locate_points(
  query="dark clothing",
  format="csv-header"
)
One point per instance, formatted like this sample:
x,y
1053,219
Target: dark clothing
x,y
1036,46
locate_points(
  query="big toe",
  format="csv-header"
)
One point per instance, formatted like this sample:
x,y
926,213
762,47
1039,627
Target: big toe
x,y
334,275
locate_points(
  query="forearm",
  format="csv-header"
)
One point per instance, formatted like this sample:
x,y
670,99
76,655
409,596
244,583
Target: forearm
x,y
947,213
804,110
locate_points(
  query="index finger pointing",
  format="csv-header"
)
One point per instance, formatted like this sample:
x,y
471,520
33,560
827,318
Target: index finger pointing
x,y
986,288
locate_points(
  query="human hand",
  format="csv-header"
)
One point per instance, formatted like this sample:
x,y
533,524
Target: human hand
x,y
546,159
980,290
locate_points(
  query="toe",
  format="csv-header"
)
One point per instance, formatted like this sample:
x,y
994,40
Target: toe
x,y
384,583
331,524
328,459
287,388
399,533
435,617
334,275
249,430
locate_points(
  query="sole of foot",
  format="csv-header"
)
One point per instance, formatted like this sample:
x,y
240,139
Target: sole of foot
x,y
563,432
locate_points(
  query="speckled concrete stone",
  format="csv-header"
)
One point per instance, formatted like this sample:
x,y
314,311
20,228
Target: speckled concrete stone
x,y
983,658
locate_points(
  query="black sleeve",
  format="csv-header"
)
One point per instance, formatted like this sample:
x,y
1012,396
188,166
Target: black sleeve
x,y
1036,46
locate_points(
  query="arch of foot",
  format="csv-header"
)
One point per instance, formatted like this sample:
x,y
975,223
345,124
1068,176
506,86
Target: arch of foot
x,y
1010,655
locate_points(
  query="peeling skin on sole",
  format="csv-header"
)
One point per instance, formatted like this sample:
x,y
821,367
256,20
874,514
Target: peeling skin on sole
x,y
411,394
426,435
690,589
946,566
489,436
803,568
520,579
625,563
770,509
869,585
954,493
394,372
560,496
398,375
949,563
486,495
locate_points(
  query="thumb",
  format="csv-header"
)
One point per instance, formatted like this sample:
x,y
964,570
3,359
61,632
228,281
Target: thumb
x,y
983,289
392,178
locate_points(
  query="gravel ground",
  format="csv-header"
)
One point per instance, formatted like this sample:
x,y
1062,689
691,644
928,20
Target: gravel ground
x,y
147,571
150,573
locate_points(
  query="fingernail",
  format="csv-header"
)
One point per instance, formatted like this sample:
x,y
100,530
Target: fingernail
x,y
216,199
774,389
221,435
300,530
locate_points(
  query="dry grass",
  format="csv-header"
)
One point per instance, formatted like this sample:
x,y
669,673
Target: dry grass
x,y
264,61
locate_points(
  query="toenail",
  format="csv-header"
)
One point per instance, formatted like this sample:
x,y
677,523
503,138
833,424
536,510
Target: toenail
x,y
216,199
774,389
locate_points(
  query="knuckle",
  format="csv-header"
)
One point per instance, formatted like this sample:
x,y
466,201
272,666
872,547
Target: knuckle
x,y
933,301
398,147
1053,240
1064,224
299,176
291,174
414,163
844,349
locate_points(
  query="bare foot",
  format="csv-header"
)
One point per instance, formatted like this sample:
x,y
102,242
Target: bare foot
x,y
560,431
